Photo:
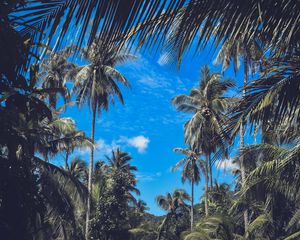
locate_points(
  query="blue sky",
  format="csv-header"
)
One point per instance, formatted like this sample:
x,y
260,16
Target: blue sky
x,y
148,126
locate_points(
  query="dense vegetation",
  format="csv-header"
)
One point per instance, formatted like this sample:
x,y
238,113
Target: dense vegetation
x,y
40,43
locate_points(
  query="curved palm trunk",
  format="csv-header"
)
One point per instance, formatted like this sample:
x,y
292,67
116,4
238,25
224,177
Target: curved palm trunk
x,y
210,172
206,187
88,212
192,207
161,227
242,143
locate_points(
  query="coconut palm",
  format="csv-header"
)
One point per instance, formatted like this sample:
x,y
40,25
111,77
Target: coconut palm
x,y
55,68
272,97
202,21
214,227
274,21
270,167
50,193
119,163
251,53
95,84
205,131
78,169
70,140
190,172
114,205
172,203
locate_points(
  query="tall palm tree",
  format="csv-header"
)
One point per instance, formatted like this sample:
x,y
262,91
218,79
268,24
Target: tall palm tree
x,y
171,203
190,172
251,53
205,131
55,68
95,84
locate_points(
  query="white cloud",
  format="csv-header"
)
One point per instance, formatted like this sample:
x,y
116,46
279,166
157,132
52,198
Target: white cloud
x,y
226,165
153,80
148,177
139,142
104,148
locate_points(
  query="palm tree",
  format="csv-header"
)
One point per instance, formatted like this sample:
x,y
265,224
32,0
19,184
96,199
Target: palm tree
x,y
215,227
251,53
78,169
45,193
141,206
269,167
119,163
55,70
171,203
205,131
72,139
190,172
118,195
272,97
202,21
273,21
95,83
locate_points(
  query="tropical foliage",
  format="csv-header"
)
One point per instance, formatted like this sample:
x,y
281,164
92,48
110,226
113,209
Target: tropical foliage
x,y
80,199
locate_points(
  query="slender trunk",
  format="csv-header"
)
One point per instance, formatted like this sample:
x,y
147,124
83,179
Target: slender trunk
x,y
192,207
88,212
67,160
206,187
161,227
242,137
210,171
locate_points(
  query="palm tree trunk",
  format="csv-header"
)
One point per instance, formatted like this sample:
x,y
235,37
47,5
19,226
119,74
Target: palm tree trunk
x,y
161,227
67,160
242,143
210,171
206,187
192,207
90,175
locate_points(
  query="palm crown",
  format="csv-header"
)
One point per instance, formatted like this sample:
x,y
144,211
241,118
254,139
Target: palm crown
x,y
95,82
207,103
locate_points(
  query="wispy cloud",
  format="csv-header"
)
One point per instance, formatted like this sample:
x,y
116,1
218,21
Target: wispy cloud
x,y
148,177
154,81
